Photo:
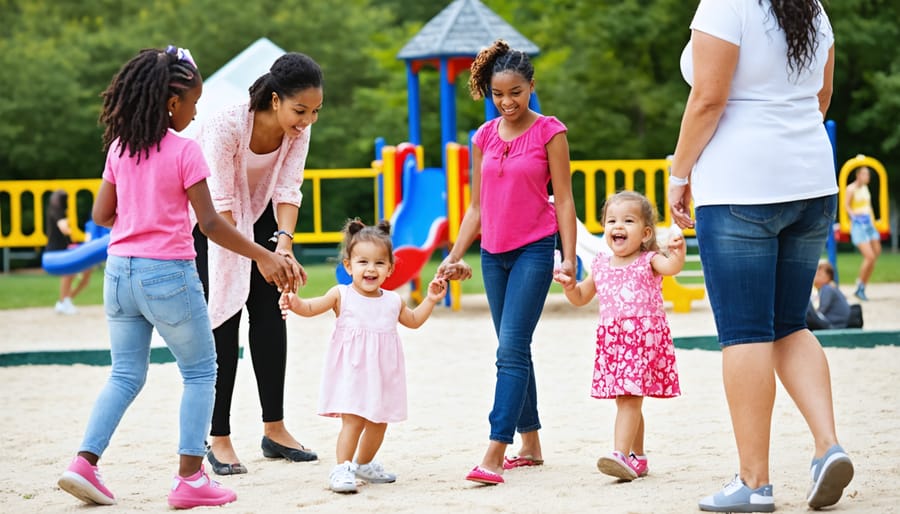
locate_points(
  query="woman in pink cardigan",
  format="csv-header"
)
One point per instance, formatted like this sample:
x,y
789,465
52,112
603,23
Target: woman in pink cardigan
x,y
256,153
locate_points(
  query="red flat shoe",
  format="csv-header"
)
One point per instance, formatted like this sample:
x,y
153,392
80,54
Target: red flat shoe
x,y
484,476
517,461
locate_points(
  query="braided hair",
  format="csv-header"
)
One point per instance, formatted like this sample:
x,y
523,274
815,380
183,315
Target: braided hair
x,y
355,231
797,19
134,103
291,73
498,57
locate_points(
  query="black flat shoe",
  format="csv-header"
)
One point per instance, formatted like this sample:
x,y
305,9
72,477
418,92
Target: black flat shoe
x,y
221,468
273,450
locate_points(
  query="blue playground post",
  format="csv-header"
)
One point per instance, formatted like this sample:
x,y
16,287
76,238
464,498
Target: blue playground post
x,y
831,244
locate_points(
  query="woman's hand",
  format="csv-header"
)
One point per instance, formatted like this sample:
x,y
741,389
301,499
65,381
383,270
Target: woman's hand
x,y
680,205
453,269
300,273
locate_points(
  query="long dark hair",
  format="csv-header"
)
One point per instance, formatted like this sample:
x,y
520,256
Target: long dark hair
x,y
134,104
496,58
797,18
291,73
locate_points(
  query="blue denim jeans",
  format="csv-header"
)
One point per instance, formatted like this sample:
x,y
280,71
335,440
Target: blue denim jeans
x,y
516,284
759,262
138,296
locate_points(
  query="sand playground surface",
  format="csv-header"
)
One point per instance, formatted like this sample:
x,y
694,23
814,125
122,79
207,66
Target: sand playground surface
x,y
450,374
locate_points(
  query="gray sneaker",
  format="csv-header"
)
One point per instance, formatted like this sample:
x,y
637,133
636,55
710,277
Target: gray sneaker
x,y
737,497
830,475
374,473
343,478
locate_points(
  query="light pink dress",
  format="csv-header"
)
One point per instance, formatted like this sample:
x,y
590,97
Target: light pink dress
x,y
635,353
364,372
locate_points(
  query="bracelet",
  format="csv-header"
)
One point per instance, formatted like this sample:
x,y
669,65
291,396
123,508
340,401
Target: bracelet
x,y
274,238
677,181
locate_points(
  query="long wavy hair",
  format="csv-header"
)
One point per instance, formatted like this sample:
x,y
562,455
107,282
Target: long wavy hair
x,y
797,18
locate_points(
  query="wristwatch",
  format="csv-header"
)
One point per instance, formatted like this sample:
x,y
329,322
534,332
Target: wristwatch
x,y
274,238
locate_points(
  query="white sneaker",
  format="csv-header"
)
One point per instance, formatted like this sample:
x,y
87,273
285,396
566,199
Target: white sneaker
x,y
65,306
343,478
374,473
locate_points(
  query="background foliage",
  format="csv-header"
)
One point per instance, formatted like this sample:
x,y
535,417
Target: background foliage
x,y
608,68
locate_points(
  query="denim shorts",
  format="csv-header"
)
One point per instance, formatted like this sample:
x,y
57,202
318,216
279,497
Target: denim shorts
x,y
759,262
862,230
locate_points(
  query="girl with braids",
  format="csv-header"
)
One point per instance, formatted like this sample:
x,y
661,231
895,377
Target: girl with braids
x,y
257,152
754,156
364,378
151,281
514,158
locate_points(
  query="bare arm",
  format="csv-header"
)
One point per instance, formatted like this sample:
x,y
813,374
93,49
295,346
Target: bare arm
x,y
104,211
287,221
274,268
714,63
309,307
561,179
673,263
414,318
578,294
827,84
453,267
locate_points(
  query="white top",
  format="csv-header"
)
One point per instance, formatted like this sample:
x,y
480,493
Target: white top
x,y
770,145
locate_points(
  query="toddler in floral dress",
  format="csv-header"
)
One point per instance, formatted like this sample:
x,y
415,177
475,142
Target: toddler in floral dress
x,y
635,354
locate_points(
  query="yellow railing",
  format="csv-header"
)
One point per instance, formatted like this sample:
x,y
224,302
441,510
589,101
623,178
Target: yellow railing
x,y
34,192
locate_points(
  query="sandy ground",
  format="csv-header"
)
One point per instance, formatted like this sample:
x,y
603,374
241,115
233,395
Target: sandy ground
x,y
450,380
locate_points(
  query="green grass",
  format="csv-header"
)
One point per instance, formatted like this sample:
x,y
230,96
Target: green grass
x,y
34,288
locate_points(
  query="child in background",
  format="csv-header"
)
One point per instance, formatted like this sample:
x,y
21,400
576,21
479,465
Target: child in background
x,y
635,353
863,234
151,282
833,309
59,237
364,377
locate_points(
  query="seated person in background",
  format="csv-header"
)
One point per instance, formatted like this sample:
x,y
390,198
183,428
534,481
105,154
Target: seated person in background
x,y
833,310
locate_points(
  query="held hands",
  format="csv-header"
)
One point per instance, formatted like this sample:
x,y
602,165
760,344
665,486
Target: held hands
x,y
680,205
437,289
676,244
288,301
282,269
565,275
453,270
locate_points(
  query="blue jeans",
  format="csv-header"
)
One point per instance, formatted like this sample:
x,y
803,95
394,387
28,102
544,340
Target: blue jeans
x,y
759,262
138,296
516,284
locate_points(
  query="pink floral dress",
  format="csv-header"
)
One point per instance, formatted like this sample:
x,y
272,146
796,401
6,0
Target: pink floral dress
x,y
635,353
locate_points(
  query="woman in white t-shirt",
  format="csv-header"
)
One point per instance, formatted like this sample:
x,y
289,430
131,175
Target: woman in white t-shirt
x,y
754,156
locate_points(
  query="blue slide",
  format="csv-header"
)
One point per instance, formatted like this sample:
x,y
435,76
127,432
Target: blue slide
x,y
81,257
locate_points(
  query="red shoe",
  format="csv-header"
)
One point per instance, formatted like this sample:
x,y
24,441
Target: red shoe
x,y
518,461
484,476
84,482
198,490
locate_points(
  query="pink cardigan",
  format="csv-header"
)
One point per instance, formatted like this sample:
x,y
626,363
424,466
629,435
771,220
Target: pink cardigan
x,y
225,140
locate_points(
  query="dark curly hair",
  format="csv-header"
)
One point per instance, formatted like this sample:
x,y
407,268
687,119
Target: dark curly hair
x,y
496,58
797,18
134,103
291,73
355,231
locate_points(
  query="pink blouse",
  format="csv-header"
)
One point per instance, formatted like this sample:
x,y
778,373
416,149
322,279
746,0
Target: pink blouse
x,y
225,140
515,206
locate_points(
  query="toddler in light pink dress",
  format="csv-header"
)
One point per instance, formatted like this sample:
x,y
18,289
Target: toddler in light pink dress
x,y
364,376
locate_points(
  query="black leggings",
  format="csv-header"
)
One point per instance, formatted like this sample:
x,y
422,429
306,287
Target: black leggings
x,y
268,336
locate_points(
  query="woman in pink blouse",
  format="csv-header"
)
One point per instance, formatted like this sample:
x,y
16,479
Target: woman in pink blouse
x,y
256,152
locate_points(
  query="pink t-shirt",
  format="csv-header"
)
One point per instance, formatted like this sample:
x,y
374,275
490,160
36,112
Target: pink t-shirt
x,y
152,219
515,205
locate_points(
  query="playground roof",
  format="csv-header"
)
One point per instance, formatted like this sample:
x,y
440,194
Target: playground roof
x,y
463,28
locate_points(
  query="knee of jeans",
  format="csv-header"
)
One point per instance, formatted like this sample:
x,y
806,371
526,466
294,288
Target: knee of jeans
x,y
203,372
514,356
129,381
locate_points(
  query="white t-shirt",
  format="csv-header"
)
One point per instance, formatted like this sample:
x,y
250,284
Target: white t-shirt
x,y
770,145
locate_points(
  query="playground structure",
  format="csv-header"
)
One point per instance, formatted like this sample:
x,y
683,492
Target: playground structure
x,y
426,205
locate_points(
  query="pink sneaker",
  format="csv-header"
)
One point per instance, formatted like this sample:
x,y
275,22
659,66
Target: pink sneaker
x,y
198,490
617,465
84,482
639,464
